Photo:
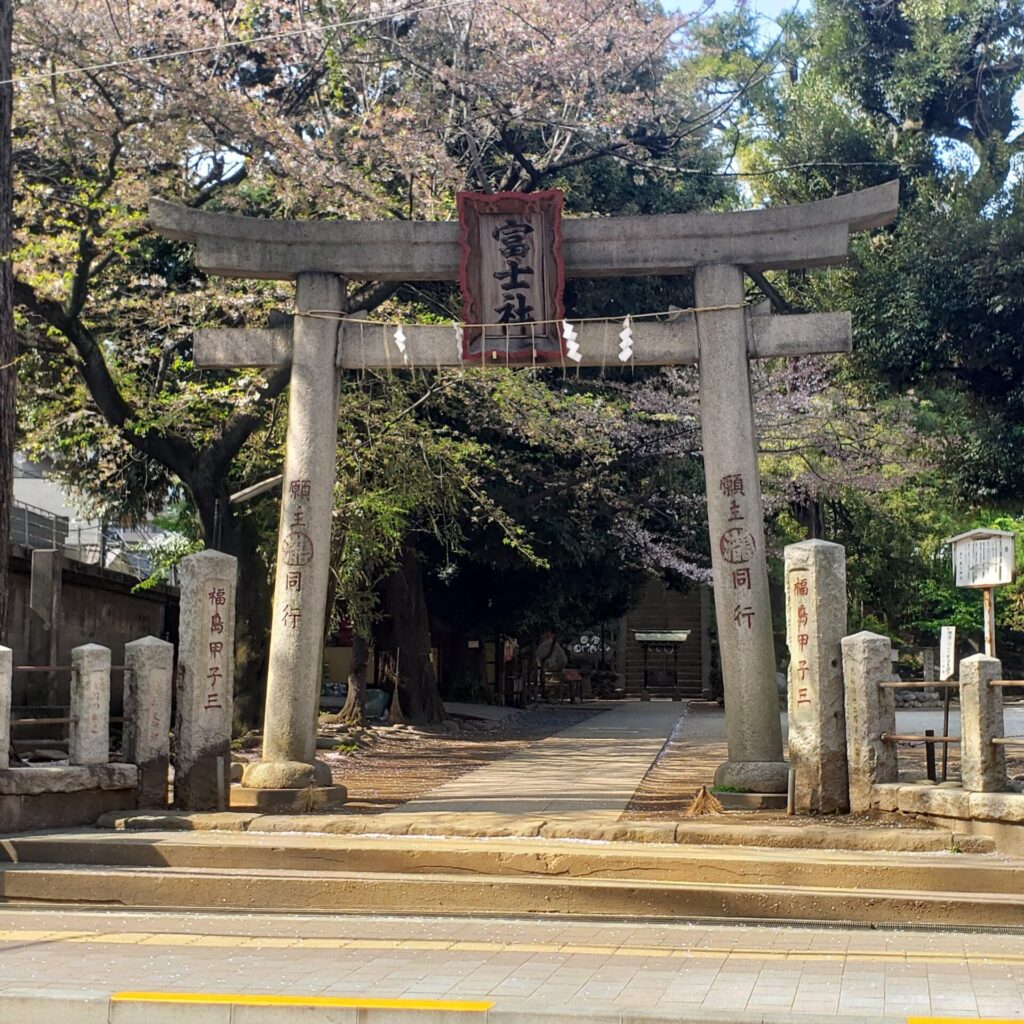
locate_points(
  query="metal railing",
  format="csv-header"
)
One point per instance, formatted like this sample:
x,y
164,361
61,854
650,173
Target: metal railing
x,y
36,527
928,738
21,722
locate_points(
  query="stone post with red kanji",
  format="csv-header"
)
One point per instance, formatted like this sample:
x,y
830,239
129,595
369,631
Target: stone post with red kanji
x,y
205,677
303,553
815,626
743,611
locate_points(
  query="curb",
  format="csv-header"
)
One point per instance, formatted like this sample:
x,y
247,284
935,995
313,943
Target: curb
x,y
454,826
34,1007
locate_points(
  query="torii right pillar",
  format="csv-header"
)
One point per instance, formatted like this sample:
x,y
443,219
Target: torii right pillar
x,y
736,524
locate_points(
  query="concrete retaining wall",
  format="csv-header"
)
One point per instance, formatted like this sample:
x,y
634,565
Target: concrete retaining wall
x,y
98,607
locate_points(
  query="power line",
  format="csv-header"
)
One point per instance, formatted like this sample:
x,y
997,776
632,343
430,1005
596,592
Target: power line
x,y
230,44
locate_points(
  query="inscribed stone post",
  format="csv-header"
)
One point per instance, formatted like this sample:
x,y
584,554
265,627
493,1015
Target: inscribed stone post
x,y
148,674
304,542
982,763
6,683
815,626
89,741
736,523
44,600
206,659
870,713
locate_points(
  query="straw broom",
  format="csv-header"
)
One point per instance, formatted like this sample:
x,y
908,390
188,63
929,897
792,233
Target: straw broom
x,y
702,803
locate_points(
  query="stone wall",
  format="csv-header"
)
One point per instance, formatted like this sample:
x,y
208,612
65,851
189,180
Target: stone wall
x,y
98,607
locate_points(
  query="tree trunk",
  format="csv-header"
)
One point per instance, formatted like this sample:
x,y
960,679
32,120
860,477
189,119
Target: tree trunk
x,y
8,341
405,637
354,711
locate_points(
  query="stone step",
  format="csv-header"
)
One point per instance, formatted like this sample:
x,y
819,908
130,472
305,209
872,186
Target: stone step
x,y
449,893
709,830
929,873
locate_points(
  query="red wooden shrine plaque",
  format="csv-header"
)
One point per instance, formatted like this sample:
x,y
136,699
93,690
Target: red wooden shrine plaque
x,y
512,275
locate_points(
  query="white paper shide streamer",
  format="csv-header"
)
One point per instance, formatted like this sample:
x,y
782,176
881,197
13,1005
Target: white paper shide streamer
x,y
400,340
626,341
572,348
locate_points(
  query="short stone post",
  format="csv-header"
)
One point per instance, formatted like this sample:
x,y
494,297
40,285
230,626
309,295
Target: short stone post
x,y
6,678
870,712
206,659
982,762
90,705
815,627
44,615
148,674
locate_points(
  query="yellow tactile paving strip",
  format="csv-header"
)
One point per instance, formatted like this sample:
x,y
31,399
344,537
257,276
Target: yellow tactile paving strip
x,y
455,946
357,1002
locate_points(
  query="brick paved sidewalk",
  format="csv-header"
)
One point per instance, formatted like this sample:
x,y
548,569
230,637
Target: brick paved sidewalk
x,y
541,969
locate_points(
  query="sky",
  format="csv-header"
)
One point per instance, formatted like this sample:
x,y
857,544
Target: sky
x,y
769,8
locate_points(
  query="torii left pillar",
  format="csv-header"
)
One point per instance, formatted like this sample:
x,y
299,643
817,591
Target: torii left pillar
x,y
303,559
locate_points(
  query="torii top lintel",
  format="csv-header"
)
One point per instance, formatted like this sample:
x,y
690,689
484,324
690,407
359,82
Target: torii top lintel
x,y
808,235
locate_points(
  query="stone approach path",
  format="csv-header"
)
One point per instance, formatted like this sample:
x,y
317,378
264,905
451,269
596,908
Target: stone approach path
x,y
589,972
588,771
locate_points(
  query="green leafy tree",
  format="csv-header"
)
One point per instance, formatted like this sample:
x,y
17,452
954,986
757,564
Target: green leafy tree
x,y
861,91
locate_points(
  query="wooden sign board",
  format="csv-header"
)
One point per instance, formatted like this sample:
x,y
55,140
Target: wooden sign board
x,y
983,558
512,275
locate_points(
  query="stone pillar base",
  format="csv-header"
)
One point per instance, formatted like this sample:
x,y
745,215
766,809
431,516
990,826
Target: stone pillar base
x,y
285,775
754,776
307,800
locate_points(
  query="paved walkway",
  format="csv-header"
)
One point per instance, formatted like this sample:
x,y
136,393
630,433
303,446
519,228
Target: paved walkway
x,y
590,770
541,969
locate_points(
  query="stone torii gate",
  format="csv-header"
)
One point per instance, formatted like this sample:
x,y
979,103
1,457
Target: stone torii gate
x,y
721,336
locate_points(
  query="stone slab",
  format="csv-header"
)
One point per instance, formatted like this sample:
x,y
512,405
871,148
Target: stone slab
x,y
945,803
885,796
67,778
24,812
751,801
177,821
288,801
1008,807
706,831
